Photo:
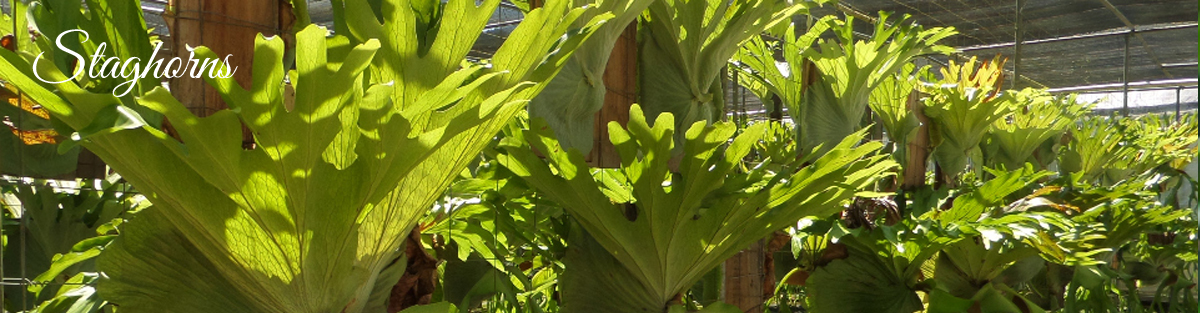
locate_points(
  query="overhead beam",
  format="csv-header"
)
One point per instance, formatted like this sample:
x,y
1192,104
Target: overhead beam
x,y
502,24
1166,108
1180,64
1144,29
1132,30
509,5
1133,86
846,8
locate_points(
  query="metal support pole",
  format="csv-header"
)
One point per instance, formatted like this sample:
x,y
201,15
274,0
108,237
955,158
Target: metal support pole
x,y
728,78
1133,30
1125,79
1017,44
1178,105
12,7
742,103
733,97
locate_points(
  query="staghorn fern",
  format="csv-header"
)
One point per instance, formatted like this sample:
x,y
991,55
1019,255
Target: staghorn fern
x,y
1039,117
1163,141
849,70
312,219
828,101
890,101
1108,150
686,46
963,106
657,231
1097,145
757,66
572,98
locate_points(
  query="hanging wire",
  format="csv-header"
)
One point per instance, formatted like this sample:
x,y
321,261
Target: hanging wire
x,y
4,4
22,230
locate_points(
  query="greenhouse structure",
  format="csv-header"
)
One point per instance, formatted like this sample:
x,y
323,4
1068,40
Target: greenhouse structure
x,y
599,156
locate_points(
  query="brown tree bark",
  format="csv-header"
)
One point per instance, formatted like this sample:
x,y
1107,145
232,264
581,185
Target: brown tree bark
x,y
420,276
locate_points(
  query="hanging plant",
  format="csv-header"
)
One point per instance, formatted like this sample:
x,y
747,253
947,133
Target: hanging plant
x,y
1038,119
849,70
890,101
962,106
686,45
1097,145
1111,149
662,229
756,64
572,98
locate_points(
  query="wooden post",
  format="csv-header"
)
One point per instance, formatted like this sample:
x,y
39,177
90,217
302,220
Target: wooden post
x,y
89,166
620,78
744,279
227,27
776,108
917,150
749,275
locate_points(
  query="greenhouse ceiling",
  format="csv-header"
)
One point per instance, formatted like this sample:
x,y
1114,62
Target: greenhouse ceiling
x,y
1065,45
